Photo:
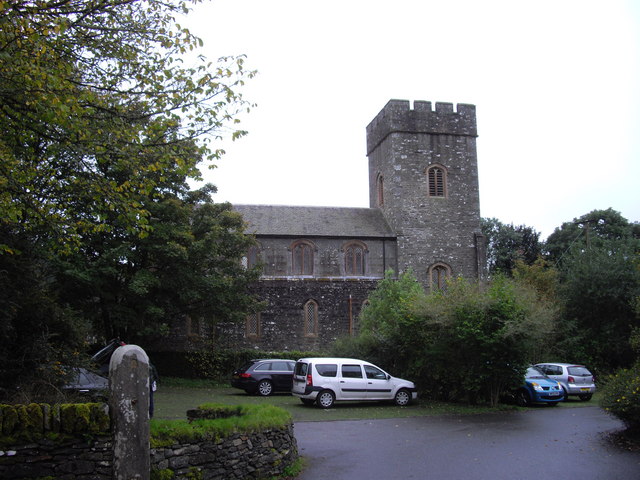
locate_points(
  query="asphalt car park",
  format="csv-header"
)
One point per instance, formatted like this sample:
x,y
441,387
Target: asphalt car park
x,y
525,445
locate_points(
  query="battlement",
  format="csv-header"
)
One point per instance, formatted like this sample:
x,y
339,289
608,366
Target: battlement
x,y
397,116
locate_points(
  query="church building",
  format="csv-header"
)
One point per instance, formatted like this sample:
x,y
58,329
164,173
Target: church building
x,y
320,263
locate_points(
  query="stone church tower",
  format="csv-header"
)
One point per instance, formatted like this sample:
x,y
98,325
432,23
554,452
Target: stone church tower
x,y
423,176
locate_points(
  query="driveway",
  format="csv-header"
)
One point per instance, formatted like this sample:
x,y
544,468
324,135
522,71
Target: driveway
x,y
540,443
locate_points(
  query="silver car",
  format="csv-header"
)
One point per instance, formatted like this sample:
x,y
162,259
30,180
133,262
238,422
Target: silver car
x,y
576,380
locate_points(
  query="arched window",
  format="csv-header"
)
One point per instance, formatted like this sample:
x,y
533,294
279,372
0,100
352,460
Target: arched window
x,y
437,179
252,258
302,258
438,274
252,329
380,189
354,258
310,317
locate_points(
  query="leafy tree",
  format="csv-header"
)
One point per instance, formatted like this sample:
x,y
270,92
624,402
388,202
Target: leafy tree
x,y
593,229
189,265
93,89
596,256
540,275
35,326
481,339
465,342
102,124
599,287
389,329
506,244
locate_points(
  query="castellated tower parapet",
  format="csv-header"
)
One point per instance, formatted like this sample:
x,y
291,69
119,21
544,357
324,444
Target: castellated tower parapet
x,y
397,116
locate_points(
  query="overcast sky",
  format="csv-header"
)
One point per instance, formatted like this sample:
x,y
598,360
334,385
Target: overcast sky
x,y
556,85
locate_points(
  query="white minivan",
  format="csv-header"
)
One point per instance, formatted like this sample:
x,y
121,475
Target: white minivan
x,y
326,380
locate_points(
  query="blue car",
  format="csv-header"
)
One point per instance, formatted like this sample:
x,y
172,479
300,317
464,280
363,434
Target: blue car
x,y
538,388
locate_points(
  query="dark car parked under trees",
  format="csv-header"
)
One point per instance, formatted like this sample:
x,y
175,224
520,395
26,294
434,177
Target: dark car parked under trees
x,y
264,376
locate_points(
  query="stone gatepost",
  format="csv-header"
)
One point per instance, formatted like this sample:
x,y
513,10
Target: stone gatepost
x,y
129,405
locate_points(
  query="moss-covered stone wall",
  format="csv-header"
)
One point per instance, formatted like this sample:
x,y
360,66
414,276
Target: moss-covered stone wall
x,y
256,455
25,423
74,442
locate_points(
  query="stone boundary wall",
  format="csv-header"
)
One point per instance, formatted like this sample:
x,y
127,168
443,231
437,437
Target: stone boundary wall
x,y
73,459
241,455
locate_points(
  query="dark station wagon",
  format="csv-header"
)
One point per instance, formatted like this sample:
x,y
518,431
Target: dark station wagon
x,y
264,376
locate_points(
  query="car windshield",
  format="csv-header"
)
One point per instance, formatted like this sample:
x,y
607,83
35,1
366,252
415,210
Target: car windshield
x,y
534,372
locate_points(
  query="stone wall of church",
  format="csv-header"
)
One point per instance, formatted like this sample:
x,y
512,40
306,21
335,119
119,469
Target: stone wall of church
x,y
276,256
282,322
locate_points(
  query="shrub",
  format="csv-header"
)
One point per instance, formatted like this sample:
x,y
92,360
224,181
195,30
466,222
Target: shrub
x,y
467,342
621,396
217,364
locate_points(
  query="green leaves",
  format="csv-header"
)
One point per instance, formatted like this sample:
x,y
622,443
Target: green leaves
x,y
464,343
103,122
88,88
508,244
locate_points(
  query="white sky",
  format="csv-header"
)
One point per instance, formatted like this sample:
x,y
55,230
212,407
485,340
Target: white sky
x,y
556,84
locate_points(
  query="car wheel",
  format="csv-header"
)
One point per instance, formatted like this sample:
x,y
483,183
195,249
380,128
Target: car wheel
x,y
566,396
307,401
265,388
522,398
402,398
586,397
326,399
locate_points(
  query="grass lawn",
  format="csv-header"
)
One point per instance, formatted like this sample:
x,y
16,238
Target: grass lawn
x,y
174,397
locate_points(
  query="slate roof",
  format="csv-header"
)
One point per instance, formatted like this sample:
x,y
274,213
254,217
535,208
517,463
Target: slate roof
x,y
280,220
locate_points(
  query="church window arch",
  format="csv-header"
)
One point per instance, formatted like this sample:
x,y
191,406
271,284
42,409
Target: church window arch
x,y
310,318
438,275
252,325
355,254
380,189
437,181
302,257
252,258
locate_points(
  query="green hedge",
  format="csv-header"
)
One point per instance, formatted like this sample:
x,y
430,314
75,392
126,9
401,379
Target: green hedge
x,y
213,364
25,423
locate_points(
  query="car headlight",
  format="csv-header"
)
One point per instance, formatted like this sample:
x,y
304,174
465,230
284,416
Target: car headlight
x,y
536,387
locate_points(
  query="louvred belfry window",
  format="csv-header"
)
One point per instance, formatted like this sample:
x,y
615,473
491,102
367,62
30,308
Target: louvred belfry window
x,y
437,178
